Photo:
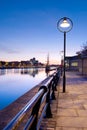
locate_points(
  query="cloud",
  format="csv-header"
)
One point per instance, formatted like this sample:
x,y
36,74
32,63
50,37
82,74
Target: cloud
x,y
8,50
46,52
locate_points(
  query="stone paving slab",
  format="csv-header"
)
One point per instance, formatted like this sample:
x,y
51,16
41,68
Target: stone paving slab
x,y
67,112
69,128
72,105
78,122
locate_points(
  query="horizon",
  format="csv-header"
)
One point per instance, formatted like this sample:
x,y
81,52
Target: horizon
x,y
27,60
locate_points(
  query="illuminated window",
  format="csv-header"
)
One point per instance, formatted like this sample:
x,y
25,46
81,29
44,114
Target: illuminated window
x,y
74,64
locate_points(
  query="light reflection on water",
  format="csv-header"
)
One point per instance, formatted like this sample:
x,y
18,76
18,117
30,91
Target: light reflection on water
x,y
15,82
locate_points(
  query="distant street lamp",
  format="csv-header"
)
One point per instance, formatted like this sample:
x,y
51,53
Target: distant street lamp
x,y
64,25
62,60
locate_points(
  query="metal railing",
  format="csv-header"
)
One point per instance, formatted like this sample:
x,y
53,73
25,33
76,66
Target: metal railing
x,y
39,106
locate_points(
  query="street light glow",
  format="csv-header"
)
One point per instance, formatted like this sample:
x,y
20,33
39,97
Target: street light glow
x,y
65,24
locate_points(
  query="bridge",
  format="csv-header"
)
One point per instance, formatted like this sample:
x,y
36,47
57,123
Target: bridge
x,y
50,108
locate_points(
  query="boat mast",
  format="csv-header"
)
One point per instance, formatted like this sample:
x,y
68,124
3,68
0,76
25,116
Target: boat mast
x,y
48,59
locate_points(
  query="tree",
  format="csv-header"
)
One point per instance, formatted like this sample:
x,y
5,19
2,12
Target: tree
x,y
83,51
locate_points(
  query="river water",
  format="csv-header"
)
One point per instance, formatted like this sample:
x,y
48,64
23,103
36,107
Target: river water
x,y
15,82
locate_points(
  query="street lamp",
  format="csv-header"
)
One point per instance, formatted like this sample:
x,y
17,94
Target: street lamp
x,y
64,25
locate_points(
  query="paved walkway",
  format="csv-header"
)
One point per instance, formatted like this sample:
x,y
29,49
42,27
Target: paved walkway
x,y
72,105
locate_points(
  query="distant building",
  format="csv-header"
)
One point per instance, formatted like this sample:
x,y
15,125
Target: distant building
x,y
34,62
25,64
72,63
78,63
83,65
22,64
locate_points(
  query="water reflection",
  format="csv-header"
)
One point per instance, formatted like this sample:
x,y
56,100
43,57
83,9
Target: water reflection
x,y
32,71
2,71
5,71
26,71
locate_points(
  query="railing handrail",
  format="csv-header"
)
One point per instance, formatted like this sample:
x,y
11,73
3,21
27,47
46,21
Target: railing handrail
x,y
28,106
43,89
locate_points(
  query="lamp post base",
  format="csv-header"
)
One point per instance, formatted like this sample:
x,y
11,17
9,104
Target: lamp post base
x,y
64,83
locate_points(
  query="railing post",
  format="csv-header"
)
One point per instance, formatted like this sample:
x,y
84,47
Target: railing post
x,y
53,90
48,109
54,84
35,112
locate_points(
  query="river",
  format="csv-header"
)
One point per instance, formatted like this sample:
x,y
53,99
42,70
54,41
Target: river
x,y
15,82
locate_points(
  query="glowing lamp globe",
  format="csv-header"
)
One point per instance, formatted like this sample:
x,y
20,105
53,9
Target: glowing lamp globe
x,y
64,24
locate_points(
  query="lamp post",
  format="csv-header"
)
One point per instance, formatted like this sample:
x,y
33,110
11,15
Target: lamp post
x,y
64,25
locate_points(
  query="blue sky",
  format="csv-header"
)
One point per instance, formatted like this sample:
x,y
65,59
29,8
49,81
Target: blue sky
x,y
28,28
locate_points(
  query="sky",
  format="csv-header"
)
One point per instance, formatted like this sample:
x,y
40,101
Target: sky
x,y
28,28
